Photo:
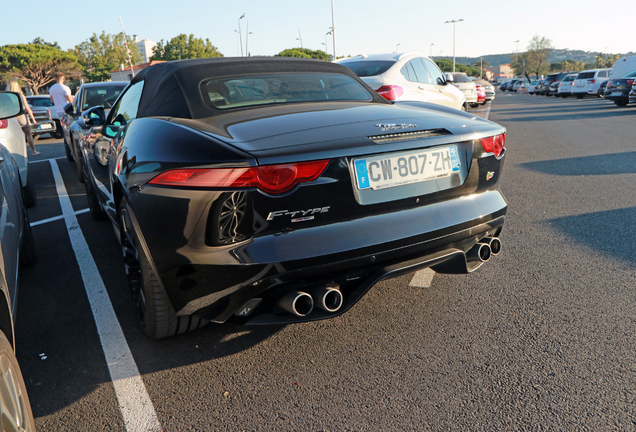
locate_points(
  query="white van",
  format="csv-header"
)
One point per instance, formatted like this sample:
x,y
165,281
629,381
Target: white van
x,y
589,82
623,66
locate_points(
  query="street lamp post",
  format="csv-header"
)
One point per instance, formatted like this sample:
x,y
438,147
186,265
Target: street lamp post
x,y
241,36
333,30
453,22
431,51
327,49
237,42
247,34
396,47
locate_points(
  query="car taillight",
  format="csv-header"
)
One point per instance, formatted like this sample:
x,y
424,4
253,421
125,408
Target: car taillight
x,y
4,124
609,83
630,81
494,144
592,81
390,92
268,178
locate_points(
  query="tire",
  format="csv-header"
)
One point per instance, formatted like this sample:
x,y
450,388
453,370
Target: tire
x,y
16,408
620,103
155,315
28,255
69,155
29,196
97,212
580,96
78,163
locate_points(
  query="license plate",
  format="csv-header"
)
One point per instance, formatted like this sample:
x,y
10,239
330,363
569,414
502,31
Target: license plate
x,y
46,126
616,93
399,169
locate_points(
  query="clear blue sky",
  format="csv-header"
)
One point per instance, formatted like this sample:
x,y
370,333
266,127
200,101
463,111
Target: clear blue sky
x,y
369,26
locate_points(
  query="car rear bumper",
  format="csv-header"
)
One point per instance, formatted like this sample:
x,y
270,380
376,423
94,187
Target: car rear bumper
x,y
43,127
217,282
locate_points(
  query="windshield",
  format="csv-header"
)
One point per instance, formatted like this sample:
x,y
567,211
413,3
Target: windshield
x,y
252,90
101,96
369,67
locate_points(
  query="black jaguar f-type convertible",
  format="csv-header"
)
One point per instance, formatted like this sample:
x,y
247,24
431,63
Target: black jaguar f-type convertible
x,y
278,190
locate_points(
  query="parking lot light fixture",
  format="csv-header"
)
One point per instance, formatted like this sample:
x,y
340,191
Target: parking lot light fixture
x,y
240,36
453,22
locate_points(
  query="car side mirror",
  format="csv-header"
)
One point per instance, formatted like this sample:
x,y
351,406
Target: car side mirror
x,y
95,116
111,131
449,78
68,109
10,105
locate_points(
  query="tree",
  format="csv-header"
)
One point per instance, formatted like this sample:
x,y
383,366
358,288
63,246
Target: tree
x,y
101,54
35,64
184,47
445,65
304,53
535,57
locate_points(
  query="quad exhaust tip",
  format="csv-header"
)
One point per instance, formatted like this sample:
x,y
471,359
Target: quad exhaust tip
x,y
480,252
328,298
297,303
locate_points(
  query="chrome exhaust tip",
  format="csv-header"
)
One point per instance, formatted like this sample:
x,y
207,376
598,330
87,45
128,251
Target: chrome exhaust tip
x,y
327,298
297,303
480,252
494,243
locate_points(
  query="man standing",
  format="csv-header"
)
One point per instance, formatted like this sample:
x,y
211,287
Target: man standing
x,y
60,94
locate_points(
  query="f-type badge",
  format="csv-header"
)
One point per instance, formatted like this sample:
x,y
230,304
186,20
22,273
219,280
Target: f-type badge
x,y
395,126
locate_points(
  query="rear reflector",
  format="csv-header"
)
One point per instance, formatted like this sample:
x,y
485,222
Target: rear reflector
x,y
494,144
390,92
4,124
268,178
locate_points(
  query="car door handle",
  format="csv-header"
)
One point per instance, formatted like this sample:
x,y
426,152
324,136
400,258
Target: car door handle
x,y
441,90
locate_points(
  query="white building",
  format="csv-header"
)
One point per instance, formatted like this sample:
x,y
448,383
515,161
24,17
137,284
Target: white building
x,y
145,48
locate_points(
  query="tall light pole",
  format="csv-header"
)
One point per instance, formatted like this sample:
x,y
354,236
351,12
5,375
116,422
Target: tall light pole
x,y
453,22
516,46
396,47
237,42
247,34
241,36
326,49
333,29
431,51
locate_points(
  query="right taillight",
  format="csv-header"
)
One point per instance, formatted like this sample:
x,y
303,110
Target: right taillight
x,y
630,81
390,92
4,124
494,144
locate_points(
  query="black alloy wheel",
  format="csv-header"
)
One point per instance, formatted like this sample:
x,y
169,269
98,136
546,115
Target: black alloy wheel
x,y
15,408
155,315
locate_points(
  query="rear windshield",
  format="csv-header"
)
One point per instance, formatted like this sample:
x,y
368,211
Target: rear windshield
x,y
252,90
461,78
40,102
370,67
569,78
585,75
632,74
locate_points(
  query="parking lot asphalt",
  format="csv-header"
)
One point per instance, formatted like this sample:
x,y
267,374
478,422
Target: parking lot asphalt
x,y
541,338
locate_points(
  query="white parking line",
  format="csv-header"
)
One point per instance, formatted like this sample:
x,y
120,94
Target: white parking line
x,y
47,160
53,219
134,402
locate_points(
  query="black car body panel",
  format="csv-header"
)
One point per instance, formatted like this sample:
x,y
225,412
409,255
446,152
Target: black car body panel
x,y
618,90
325,232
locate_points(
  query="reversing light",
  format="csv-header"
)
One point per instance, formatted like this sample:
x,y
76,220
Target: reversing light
x,y
390,92
494,144
268,178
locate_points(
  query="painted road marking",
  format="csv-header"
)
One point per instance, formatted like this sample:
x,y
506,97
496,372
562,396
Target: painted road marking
x,y
134,402
422,278
53,219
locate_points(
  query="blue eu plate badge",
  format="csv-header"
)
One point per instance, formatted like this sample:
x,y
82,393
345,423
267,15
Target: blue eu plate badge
x,y
454,159
363,175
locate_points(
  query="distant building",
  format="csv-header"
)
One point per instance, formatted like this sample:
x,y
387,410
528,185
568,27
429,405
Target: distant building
x,y
126,73
502,71
145,48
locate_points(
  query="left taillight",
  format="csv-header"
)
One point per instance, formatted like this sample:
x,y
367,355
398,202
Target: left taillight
x,y
4,124
390,92
268,178
494,144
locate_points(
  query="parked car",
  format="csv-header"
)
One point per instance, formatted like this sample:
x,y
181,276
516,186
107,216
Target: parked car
x,y
481,94
521,84
618,89
101,94
39,102
17,248
12,137
285,189
488,88
547,82
589,82
632,94
533,85
409,76
465,85
565,85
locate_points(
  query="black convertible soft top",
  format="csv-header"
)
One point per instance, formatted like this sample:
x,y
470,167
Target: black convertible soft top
x,y
172,89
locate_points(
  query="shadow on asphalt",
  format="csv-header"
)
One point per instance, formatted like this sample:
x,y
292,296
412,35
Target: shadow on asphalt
x,y
610,232
604,164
